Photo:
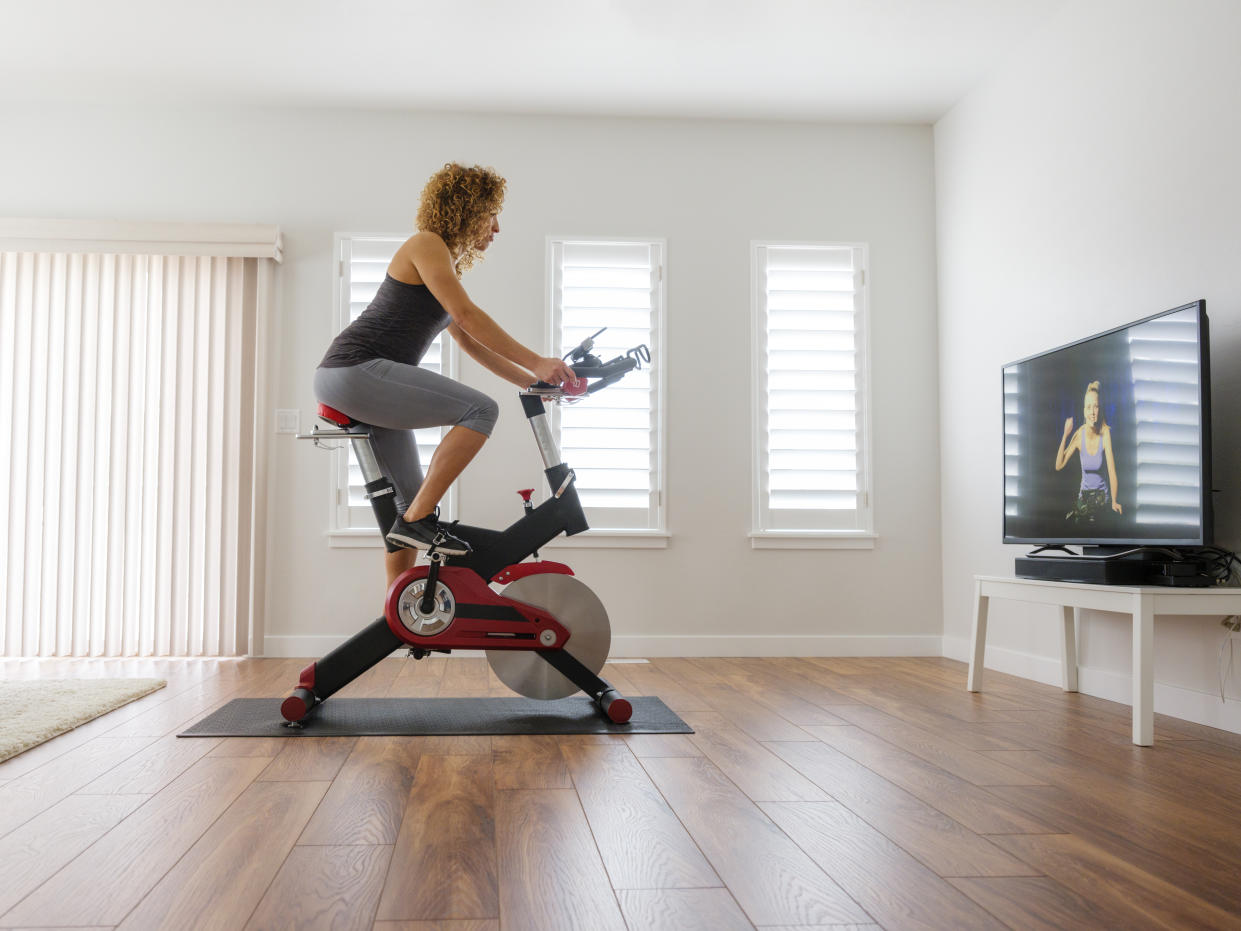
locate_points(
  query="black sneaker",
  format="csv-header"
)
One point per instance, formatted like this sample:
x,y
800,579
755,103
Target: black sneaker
x,y
427,534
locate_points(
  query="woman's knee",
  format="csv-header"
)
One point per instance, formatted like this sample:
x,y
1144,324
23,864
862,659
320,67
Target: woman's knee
x,y
482,415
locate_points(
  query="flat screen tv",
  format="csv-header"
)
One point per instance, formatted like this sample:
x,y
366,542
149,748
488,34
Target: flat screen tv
x,y
1107,441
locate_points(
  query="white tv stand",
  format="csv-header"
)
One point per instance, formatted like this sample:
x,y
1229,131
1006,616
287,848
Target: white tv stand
x,y
1144,603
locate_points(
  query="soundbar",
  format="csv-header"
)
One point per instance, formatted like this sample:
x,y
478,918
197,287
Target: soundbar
x,y
1124,571
1079,569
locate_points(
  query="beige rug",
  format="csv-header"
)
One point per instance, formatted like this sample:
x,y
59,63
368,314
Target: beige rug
x,y
35,710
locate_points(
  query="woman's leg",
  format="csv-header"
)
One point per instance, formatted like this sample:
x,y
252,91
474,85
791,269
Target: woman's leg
x,y
396,399
395,564
454,453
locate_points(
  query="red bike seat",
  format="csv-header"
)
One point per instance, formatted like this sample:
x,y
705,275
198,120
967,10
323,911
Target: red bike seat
x,y
332,415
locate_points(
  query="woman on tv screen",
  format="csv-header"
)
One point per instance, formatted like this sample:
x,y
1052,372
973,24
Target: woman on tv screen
x,y
1093,443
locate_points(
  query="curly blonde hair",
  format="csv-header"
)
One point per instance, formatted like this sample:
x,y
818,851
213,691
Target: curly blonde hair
x,y
455,203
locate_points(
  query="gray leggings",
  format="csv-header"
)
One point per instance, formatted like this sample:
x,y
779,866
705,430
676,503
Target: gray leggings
x,y
396,399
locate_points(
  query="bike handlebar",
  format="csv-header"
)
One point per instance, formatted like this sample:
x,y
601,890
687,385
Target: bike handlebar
x,y
605,373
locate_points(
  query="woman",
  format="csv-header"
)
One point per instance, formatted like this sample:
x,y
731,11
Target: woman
x,y
1093,443
371,369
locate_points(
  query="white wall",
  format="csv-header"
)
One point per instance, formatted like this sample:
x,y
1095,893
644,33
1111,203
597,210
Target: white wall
x,y
1092,181
708,188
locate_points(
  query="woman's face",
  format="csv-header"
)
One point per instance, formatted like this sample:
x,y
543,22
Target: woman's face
x,y
487,230
1090,409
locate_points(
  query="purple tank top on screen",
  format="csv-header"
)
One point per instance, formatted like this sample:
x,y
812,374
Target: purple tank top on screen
x,y
1092,466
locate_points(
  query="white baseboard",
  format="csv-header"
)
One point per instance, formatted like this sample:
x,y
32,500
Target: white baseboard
x,y
757,645
673,645
1172,700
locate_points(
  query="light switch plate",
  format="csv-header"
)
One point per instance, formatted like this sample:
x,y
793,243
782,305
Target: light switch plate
x,y
288,421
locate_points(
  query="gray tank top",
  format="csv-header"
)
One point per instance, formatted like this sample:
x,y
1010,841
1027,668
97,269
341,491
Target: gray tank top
x,y
399,324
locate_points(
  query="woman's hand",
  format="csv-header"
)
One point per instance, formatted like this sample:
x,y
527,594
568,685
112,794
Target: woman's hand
x,y
1116,506
1068,427
555,372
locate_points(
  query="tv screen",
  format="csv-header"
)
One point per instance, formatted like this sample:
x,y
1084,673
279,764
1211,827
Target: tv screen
x,y
1108,440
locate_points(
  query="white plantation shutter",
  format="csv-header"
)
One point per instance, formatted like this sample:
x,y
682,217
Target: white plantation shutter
x,y
1163,354
363,264
1012,442
612,439
810,402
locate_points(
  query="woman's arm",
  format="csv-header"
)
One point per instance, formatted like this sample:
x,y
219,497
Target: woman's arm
x,y
1111,467
489,360
433,262
1063,454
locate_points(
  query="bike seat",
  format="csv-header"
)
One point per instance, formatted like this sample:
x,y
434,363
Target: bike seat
x,y
332,415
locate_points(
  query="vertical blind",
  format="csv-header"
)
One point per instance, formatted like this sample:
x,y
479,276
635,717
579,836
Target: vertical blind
x,y
127,456
363,265
612,440
810,442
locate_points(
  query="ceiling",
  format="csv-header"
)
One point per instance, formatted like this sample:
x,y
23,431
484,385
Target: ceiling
x,y
904,61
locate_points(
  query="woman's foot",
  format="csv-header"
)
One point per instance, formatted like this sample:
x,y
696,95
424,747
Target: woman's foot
x,y
427,534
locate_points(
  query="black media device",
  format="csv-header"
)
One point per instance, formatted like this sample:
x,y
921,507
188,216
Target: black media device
x,y
1107,445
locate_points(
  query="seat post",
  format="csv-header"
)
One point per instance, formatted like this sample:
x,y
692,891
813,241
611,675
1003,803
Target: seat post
x,y
365,455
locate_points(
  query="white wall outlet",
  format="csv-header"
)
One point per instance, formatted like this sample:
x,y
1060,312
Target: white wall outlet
x,y
288,421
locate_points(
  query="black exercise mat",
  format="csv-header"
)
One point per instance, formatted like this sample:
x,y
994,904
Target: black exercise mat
x,y
364,717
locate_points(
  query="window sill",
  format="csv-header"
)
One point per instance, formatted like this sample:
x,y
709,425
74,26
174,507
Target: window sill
x,y
804,540
613,539
355,539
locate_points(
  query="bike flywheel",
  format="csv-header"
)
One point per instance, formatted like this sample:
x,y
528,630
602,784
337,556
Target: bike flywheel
x,y
575,606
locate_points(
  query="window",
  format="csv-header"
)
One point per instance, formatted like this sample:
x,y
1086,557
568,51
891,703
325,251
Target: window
x,y
363,264
613,441
811,418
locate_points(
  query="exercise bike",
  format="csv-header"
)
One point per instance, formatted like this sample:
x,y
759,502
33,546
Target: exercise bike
x,y
545,633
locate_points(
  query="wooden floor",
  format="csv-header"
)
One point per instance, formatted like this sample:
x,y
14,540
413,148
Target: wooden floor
x,y
814,793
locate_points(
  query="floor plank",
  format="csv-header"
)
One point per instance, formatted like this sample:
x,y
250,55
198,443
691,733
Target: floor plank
x,y
38,790
419,678
971,805
135,854
946,846
894,888
552,877
759,721
324,889
1037,903
1191,863
241,852
970,765
1134,896
465,925
529,762
682,910
757,682
758,772
772,880
444,860
649,679
465,677
309,759
367,798
642,843
152,768
641,745
34,852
